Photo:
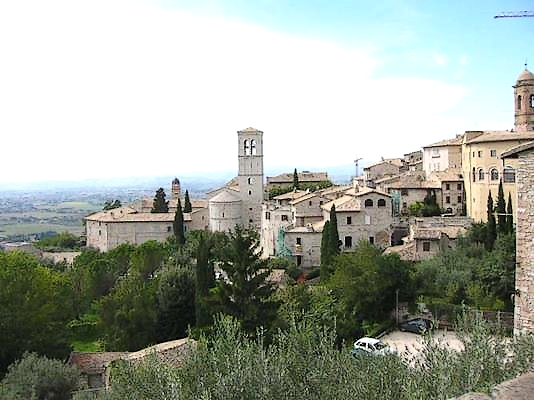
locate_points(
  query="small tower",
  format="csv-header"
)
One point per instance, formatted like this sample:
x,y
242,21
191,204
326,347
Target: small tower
x,y
175,189
250,176
524,101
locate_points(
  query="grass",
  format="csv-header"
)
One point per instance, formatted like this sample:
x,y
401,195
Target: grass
x,y
28,229
87,345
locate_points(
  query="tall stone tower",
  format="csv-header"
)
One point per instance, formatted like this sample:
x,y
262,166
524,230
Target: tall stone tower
x,y
175,189
524,101
250,176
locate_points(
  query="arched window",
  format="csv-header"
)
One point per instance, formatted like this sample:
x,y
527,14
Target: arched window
x,y
494,174
480,174
519,102
246,148
368,203
474,174
532,101
508,175
381,203
253,147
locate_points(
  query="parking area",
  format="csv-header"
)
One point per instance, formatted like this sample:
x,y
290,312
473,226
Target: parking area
x,y
410,344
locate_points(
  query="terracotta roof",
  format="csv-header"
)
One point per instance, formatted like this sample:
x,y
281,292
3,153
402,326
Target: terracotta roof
x,y
525,75
451,175
453,232
225,196
499,136
457,141
250,129
518,149
127,214
398,162
362,191
91,363
295,194
414,181
406,251
307,196
198,203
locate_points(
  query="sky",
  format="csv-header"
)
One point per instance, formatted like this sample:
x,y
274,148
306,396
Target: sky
x,y
122,88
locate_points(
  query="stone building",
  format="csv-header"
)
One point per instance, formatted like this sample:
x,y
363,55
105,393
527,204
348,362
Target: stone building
x,y
452,190
523,158
382,169
443,155
238,202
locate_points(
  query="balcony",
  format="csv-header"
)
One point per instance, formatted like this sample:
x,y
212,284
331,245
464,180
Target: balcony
x,y
298,250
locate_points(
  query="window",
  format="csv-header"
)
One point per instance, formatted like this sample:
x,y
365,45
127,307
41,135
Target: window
x,y
381,203
169,229
479,153
473,154
494,174
250,208
435,153
474,174
299,261
404,205
348,242
448,199
447,186
459,186
349,220
250,221
368,203
532,101
246,148
321,203
426,246
404,192
480,174
310,203
284,217
99,223
519,102
253,147
299,240
267,215
493,153
372,239
223,215
99,232
249,192
367,220
459,199
509,175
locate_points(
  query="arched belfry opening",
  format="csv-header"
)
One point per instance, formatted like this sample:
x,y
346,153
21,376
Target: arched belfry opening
x,y
253,147
519,99
246,147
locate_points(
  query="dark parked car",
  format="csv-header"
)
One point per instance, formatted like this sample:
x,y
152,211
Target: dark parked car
x,y
417,325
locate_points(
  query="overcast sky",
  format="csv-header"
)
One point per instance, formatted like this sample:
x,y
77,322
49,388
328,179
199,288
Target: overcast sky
x,y
111,88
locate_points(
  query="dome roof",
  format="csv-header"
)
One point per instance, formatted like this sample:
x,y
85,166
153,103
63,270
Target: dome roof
x,y
525,75
225,197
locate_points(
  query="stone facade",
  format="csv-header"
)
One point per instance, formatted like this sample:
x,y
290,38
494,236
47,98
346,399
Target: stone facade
x,y
286,180
524,273
381,169
442,155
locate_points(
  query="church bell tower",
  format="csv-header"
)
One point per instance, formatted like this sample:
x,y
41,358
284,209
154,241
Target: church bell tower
x,y
250,176
524,101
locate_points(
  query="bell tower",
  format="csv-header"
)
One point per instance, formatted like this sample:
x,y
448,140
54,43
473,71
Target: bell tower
x,y
524,101
250,176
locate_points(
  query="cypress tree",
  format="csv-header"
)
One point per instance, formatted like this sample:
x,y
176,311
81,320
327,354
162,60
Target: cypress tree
x,y
204,280
160,205
295,180
501,210
187,203
491,231
509,215
334,234
178,224
325,251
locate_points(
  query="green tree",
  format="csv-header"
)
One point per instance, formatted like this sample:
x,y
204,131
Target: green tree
x,y
329,244
245,293
501,210
431,207
187,203
295,180
491,230
35,306
112,204
178,224
204,278
148,258
160,205
334,234
509,215
175,304
37,377
128,313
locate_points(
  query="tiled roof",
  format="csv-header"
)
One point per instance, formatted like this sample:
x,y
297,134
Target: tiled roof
x,y
499,136
405,251
518,149
450,175
307,196
457,141
295,194
92,363
127,214
250,129
362,191
225,196
398,162
453,232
